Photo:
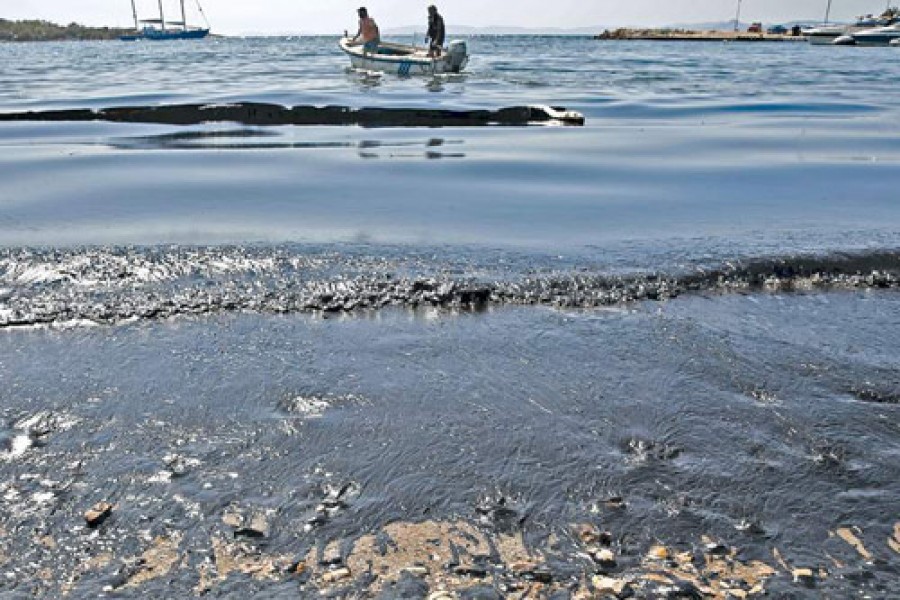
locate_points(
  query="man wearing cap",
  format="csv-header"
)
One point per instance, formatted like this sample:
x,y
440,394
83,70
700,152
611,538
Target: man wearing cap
x,y
368,34
436,32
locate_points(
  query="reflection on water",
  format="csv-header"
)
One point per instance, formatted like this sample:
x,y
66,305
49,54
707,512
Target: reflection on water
x,y
244,139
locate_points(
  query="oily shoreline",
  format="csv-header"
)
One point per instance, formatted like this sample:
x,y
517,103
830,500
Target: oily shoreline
x,y
205,545
517,453
109,286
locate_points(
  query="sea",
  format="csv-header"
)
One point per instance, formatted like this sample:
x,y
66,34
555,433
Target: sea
x,y
655,355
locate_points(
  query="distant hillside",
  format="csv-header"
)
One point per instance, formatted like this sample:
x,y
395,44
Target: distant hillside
x,y
44,31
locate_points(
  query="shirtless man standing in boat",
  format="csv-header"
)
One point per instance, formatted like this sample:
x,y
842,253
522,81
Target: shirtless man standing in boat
x,y
436,32
368,34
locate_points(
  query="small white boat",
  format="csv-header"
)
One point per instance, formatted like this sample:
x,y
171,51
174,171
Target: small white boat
x,y
895,43
403,60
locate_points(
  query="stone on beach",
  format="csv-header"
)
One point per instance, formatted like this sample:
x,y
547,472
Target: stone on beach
x,y
658,553
98,514
894,541
850,537
336,575
804,575
609,585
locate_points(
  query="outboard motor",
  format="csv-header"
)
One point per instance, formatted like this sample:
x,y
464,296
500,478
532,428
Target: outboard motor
x,y
458,55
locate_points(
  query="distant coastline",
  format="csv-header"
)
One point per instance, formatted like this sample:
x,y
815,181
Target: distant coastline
x,y
45,31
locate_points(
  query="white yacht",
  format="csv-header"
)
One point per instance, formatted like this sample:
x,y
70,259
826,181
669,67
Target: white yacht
x,y
827,33
880,36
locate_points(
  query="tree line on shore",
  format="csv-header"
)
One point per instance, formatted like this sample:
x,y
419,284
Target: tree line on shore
x,y
45,31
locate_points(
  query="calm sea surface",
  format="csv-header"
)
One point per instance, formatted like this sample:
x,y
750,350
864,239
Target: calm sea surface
x,y
761,146
689,303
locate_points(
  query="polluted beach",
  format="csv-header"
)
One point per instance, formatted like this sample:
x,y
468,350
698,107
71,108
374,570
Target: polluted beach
x,y
500,311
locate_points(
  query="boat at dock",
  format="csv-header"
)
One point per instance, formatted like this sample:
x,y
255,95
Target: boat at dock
x,y
405,60
162,30
877,37
827,34
836,34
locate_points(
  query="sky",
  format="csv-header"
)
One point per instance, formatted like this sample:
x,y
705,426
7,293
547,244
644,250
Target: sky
x,y
232,17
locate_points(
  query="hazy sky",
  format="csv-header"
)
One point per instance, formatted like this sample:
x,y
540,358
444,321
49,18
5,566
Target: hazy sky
x,y
333,16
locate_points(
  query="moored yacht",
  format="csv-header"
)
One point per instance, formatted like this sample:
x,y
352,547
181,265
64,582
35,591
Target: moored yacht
x,y
880,36
827,33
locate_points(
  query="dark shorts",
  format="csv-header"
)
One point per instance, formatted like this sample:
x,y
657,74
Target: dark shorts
x,y
371,47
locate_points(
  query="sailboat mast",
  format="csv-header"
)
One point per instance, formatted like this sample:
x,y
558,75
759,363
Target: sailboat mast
x,y
828,12
137,25
183,17
162,17
737,18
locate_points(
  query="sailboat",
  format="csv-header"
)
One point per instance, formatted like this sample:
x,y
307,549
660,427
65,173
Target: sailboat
x,y
162,30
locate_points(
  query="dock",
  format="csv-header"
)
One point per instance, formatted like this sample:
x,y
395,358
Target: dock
x,y
684,35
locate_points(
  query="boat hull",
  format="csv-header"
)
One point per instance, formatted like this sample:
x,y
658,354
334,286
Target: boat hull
x,y
824,36
876,40
158,35
402,60
822,39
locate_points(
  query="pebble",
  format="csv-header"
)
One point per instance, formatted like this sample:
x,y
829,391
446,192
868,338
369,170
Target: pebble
x,y
98,514
605,558
232,519
614,503
336,575
522,567
471,571
804,576
658,553
587,533
609,585
716,549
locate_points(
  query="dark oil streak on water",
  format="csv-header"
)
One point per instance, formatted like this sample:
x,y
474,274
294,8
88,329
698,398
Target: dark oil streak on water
x,y
250,113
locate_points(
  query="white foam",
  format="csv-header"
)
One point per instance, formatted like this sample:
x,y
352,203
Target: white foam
x,y
19,446
311,408
161,477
